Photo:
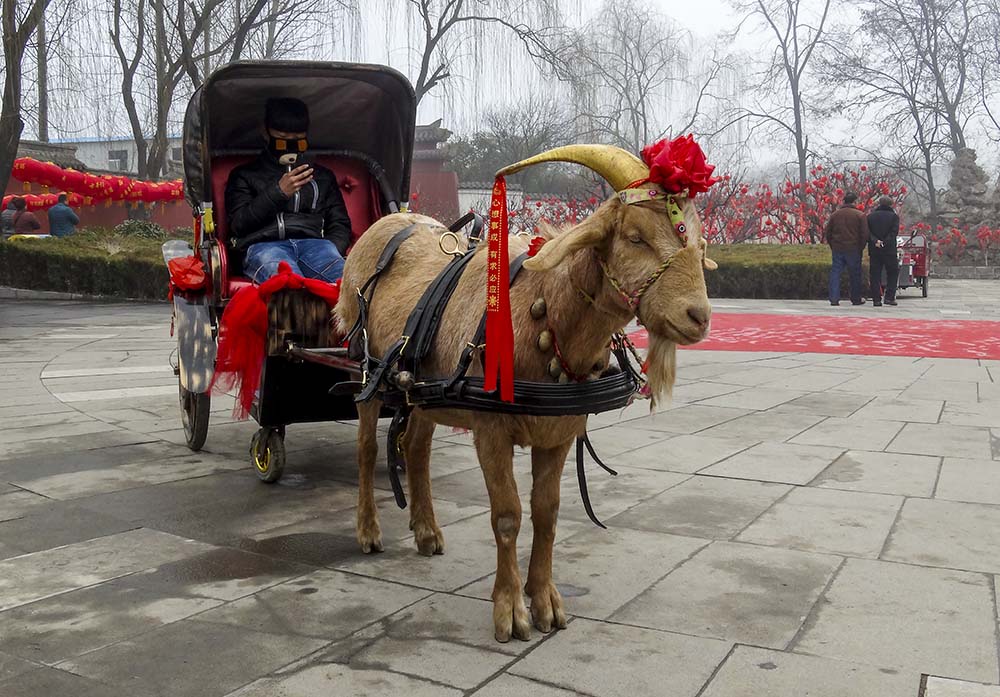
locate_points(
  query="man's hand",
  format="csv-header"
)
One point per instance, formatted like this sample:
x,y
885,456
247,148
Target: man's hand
x,y
878,243
291,182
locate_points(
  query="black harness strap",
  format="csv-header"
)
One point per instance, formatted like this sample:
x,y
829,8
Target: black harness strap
x,y
394,452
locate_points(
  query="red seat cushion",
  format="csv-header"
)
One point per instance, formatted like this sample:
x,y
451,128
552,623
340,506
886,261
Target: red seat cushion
x,y
357,186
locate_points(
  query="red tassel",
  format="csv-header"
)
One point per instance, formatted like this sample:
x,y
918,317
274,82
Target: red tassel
x,y
499,327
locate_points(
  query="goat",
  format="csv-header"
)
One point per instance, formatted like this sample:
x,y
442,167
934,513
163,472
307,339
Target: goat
x,y
567,290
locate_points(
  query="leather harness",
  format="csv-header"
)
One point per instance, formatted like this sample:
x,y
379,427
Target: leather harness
x,y
396,378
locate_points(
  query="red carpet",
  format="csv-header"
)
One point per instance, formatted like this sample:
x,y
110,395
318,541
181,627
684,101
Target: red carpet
x,y
850,335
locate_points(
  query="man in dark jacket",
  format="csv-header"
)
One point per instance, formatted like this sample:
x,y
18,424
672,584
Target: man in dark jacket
x,y
846,233
281,209
7,219
62,219
883,227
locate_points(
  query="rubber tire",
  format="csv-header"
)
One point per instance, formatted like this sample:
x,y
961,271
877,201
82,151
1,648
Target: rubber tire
x,y
267,455
923,285
195,410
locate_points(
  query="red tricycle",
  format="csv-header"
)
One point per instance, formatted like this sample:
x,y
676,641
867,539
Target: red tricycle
x,y
914,262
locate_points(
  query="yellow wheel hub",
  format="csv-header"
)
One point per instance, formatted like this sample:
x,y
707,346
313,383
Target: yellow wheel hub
x,y
262,463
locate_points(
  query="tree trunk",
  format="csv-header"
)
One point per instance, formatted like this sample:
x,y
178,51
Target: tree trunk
x,y
43,81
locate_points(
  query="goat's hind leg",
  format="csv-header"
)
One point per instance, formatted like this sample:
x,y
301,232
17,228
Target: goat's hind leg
x,y
417,451
369,532
547,611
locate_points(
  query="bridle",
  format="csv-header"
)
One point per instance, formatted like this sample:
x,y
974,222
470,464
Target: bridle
x,y
632,195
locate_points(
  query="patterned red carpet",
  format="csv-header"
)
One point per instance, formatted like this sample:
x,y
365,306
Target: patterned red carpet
x,y
864,336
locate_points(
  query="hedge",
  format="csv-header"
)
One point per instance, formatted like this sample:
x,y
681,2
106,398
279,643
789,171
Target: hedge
x,y
774,271
119,269
125,266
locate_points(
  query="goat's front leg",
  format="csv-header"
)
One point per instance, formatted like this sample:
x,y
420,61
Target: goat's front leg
x,y
417,448
369,533
546,470
496,457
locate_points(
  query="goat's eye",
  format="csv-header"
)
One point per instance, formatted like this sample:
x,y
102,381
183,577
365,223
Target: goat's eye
x,y
634,237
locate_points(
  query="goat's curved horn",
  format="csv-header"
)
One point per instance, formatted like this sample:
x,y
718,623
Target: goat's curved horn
x,y
619,167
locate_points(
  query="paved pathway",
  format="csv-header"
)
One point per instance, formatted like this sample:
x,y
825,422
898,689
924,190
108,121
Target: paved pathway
x,y
794,523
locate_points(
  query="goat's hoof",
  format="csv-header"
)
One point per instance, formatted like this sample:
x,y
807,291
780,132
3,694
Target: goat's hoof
x,y
547,611
510,617
370,540
429,539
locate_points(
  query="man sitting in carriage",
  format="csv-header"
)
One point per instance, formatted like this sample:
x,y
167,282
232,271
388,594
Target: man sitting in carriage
x,y
282,208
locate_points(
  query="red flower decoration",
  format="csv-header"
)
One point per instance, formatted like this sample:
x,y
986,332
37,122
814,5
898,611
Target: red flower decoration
x,y
679,164
536,243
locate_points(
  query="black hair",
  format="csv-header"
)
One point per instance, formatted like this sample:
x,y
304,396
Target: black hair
x,y
63,198
287,115
20,203
850,197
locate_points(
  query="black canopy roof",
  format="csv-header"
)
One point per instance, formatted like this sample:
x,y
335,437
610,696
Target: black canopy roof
x,y
366,110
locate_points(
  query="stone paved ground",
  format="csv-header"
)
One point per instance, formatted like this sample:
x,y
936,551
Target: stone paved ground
x,y
794,524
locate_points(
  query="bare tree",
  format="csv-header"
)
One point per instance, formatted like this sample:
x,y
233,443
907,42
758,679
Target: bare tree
x,y
18,24
879,72
159,43
445,25
795,29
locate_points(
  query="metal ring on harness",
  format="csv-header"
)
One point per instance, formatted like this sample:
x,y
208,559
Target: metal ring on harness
x,y
456,250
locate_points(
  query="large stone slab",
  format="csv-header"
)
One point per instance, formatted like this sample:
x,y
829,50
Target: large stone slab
x,y
68,625
759,398
191,659
611,495
49,682
16,504
337,679
743,593
943,439
614,661
43,574
948,390
976,481
908,618
56,525
595,570
324,604
505,685
862,435
820,520
710,507
884,473
880,409
777,462
765,426
687,453
689,418
826,404
983,414
948,534
946,687
754,672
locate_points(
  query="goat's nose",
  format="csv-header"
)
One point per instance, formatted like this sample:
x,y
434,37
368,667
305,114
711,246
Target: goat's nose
x,y
699,315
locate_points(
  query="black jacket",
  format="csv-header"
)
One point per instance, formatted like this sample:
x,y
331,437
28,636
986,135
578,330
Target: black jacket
x,y
883,224
258,211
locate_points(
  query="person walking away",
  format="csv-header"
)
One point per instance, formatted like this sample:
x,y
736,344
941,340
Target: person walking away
x,y
883,227
847,234
25,222
7,219
62,219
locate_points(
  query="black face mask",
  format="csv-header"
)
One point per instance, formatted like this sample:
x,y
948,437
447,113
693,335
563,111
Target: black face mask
x,y
285,150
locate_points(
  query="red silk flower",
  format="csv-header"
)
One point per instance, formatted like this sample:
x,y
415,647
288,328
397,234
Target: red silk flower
x,y
679,164
535,244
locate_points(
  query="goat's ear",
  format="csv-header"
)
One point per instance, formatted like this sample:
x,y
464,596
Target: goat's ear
x,y
555,251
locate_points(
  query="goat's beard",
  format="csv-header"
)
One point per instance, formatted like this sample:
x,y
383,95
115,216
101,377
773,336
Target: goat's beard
x,y
661,369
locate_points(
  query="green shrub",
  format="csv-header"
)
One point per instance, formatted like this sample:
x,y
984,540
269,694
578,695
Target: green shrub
x,y
141,228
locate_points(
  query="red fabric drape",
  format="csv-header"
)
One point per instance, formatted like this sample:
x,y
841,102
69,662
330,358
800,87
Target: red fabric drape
x,y
243,333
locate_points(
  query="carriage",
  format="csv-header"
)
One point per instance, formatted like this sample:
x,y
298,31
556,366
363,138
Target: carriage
x,y
914,262
363,121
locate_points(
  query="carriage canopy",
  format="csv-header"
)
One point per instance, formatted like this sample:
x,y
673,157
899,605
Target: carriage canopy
x,y
358,110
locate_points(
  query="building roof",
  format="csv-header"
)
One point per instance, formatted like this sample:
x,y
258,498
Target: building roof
x,y
431,133
59,153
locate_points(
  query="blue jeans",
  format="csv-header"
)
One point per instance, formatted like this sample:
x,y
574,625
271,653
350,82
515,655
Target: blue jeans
x,y
311,258
852,260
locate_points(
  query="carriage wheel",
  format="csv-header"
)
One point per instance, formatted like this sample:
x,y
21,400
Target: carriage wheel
x,y
923,285
267,453
195,409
